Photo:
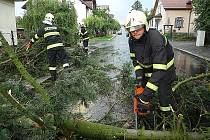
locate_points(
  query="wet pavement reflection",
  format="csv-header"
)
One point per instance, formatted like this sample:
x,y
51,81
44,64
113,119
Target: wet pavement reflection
x,y
189,65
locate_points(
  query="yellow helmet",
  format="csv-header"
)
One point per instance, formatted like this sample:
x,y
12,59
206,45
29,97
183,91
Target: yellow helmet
x,y
135,20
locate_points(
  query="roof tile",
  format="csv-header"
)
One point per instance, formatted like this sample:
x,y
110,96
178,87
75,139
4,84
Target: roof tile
x,y
176,3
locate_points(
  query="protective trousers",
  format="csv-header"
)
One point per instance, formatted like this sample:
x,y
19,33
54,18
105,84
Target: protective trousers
x,y
53,56
167,102
85,45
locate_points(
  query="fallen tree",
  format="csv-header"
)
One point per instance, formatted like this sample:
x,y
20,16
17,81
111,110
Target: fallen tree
x,y
102,131
107,132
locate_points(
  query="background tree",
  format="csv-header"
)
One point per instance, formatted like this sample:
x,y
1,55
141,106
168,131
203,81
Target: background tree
x,y
100,23
202,22
65,17
137,6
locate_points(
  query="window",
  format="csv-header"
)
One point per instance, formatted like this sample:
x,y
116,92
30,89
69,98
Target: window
x,y
159,9
179,21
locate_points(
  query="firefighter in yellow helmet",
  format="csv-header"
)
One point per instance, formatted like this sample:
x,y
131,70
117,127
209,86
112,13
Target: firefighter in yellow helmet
x,y
54,44
153,61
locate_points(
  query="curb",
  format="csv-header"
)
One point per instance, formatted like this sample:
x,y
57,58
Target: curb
x,y
196,55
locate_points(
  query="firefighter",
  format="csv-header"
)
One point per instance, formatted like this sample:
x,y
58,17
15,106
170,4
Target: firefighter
x,y
153,60
54,44
85,37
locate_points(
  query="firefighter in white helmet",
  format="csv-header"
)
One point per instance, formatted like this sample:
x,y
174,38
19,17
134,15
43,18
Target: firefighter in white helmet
x,y
54,44
153,61
85,36
48,19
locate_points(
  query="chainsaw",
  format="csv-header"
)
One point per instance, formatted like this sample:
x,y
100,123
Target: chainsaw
x,y
138,91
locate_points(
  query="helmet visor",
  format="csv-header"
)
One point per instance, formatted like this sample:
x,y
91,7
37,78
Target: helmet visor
x,y
136,27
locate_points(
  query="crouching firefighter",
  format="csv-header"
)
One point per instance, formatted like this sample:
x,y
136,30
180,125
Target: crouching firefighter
x,y
85,37
54,44
153,61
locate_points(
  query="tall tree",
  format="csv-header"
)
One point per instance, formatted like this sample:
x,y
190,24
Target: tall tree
x,y
65,17
137,6
100,23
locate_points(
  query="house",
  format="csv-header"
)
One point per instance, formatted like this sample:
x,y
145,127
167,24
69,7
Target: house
x,y
103,7
8,21
173,15
106,8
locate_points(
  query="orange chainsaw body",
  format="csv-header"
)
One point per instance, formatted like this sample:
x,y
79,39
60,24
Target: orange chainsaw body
x,y
138,92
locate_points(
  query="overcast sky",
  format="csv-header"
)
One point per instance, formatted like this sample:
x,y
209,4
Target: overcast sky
x,y
119,8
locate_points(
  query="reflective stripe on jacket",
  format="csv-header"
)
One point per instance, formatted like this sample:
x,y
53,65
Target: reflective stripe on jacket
x,y
84,34
51,35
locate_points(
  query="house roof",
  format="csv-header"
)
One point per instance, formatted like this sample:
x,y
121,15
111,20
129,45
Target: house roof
x,y
178,4
87,3
173,5
91,4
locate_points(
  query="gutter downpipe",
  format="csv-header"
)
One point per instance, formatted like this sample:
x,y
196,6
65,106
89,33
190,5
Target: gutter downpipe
x,y
189,22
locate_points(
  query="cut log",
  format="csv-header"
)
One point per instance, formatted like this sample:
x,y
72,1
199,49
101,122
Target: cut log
x,y
106,132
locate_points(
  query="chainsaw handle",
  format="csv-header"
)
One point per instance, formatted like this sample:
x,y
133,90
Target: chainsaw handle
x,y
139,90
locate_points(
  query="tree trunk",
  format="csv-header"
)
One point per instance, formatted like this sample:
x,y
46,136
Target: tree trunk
x,y
106,132
9,50
100,131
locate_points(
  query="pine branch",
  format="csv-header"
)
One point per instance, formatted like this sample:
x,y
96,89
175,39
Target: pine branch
x,y
15,103
190,79
9,50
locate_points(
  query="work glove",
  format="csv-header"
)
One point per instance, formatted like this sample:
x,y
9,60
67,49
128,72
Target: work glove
x,y
138,82
29,45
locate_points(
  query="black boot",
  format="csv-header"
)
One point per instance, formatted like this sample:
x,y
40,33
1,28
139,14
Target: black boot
x,y
53,74
168,120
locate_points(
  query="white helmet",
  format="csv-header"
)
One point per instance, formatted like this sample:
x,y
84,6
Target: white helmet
x,y
49,17
82,24
135,20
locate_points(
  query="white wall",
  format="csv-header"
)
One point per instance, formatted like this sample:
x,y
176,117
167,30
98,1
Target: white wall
x,y
80,9
185,14
7,20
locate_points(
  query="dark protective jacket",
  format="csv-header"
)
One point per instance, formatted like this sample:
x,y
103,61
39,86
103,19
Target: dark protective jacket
x,y
152,58
51,34
84,34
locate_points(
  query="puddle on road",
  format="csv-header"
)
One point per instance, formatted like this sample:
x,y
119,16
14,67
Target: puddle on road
x,y
188,65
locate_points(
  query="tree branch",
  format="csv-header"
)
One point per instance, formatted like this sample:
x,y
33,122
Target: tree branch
x,y
15,103
9,50
190,79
